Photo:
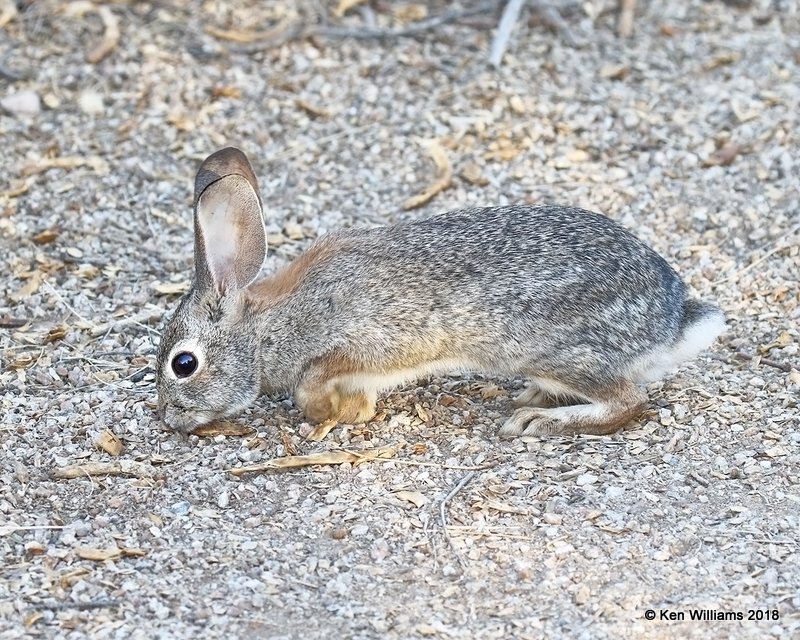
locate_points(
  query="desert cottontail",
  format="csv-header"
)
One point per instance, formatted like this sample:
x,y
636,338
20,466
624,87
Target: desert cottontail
x,y
563,297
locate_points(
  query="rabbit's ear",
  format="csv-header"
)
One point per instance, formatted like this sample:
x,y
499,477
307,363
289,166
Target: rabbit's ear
x,y
229,236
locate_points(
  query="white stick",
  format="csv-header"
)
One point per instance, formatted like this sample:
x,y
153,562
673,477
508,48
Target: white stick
x,y
504,29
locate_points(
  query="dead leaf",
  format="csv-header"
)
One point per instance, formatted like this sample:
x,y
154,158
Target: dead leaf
x,y
783,340
312,109
325,457
722,59
69,578
21,361
319,432
447,400
222,429
110,443
171,288
443,179
345,5
492,391
414,497
56,333
288,443
45,237
422,413
32,618
28,289
723,156
110,36
503,507
119,468
667,30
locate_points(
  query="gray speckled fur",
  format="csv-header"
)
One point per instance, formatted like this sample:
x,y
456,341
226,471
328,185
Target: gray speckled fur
x,y
546,292
522,290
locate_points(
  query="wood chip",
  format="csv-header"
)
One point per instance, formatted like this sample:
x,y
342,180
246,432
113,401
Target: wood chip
x,y
345,5
110,36
7,322
45,237
227,429
110,443
324,458
626,13
8,11
443,180
414,497
112,553
119,468
319,432
28,289
313,109
171,288
65,162
614,71
226,91
472,174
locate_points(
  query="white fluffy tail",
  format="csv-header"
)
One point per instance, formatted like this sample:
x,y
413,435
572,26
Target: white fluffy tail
x,y
702,323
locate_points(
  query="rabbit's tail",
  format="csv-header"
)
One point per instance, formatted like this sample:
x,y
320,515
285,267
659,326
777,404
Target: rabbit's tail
x,y
702,322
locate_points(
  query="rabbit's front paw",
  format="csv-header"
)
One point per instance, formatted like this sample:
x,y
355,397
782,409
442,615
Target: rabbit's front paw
x,y
353,408
347,408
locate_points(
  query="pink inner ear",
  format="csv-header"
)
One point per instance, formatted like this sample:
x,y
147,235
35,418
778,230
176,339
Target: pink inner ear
x,y
229,216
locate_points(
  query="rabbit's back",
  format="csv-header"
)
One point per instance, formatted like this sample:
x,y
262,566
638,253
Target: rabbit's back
x,y
504,287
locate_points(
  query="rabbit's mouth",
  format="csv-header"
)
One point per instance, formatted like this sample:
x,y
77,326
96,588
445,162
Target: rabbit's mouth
x,y
184,420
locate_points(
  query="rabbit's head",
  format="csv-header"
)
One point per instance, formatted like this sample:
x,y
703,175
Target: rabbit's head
x,y
208,356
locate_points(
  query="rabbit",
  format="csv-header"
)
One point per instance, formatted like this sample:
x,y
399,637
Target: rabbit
x,y
564,297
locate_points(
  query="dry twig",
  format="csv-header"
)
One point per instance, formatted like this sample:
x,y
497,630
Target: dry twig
x,y
504,29
625,23
443,512
119,468
443,179
296,29
110,36
325,457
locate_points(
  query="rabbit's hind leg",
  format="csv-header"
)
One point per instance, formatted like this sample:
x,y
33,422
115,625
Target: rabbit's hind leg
x,y
604,412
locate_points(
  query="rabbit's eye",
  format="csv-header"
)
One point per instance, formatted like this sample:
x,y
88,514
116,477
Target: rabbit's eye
x,y
184,364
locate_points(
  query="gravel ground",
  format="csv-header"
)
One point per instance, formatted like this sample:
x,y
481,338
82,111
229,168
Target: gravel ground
x,y
688,132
